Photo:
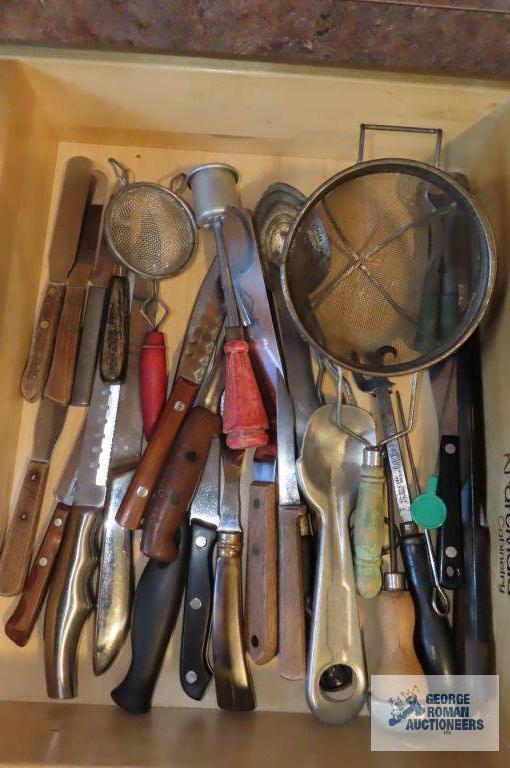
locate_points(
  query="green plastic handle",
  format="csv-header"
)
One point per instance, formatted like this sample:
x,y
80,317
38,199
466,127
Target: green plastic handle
x,y
449,315
425,338
428,510
369,531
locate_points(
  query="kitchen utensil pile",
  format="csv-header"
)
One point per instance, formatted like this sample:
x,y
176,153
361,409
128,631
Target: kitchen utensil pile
x,y
385,270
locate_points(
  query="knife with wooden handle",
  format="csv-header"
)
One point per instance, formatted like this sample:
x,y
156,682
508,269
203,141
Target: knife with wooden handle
x,y
234,687
66,233
198,348
19,540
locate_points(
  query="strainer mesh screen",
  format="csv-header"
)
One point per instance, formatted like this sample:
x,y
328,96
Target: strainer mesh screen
x,y
150,230
406,268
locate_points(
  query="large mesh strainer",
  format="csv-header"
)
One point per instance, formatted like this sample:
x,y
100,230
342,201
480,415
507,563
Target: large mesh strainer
x,y
390,282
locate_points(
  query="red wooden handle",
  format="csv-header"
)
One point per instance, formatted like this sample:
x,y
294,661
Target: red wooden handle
x,y
244,417
153,379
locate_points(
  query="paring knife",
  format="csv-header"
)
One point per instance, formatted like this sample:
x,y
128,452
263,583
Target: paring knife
x,y
70,601
66,232
115,576
89,339
22,621
60,380
19,541
449,545
195,670
234,687
198,348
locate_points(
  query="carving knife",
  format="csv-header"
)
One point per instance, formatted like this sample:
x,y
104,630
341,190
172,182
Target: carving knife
x,y
70,601
60,379
198,348
66,232
19,541
23,619
195,670
115,576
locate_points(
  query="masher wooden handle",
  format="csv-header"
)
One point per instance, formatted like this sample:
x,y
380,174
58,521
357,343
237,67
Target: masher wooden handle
x,y
244,417
153,379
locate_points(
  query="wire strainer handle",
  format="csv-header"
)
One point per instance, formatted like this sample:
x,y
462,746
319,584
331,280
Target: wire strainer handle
x,y
437,132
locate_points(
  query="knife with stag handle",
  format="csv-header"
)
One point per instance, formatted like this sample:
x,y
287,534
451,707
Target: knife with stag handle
x,y
19,540
66,233
183,467
198,348
23,619
234,687
70,598
59,384
195,670
115,577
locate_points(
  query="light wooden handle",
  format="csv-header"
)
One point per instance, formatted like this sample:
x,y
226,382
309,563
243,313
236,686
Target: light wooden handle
x,y
43,340
292,635
234,689
59,385
20,536
261,600
395,611
369,531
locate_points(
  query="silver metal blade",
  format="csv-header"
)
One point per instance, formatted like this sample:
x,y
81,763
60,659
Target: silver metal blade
x,y
264,470
68,221
48,426
288,489
87,246
443,378
205,506
66,488
230,510
97,444
203,328
394,453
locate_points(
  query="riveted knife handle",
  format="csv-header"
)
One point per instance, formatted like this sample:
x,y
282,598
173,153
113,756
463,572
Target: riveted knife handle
x,y
70,602
449,546
43,339
433,639
89,342
234,687
22,621
177,483
155,611
153,379
133,506
19,541
60,380
113,356
292,634
195,670
261,599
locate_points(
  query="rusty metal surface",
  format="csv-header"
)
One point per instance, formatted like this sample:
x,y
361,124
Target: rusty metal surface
x,y
463,37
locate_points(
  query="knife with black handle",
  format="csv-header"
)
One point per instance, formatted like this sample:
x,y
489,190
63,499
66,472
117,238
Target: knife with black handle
x,y
155,611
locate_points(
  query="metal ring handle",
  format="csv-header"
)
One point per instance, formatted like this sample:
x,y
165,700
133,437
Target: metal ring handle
x,y
364,127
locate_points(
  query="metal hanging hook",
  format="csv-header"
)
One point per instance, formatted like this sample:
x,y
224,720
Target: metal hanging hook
x,y
121,171
154,299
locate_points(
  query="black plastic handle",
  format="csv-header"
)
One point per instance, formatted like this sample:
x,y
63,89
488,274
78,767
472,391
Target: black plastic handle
x,y
433,638
155,611
114,351
195,670
449,545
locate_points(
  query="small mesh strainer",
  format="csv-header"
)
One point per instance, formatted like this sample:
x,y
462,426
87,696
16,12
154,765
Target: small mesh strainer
x,y
390,283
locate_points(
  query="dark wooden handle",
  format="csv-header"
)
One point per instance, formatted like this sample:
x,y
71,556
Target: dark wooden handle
x,y
292,635
23,620
132,509
234,688
261,599
449,545
19,540
43,339
113,356
59,385
177,483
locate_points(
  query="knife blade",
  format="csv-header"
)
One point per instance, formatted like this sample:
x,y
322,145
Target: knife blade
x,y
60,379
22,621
292,516
66,232
70,600
115,577
234,687
449,544
19,540
198,348
195,670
